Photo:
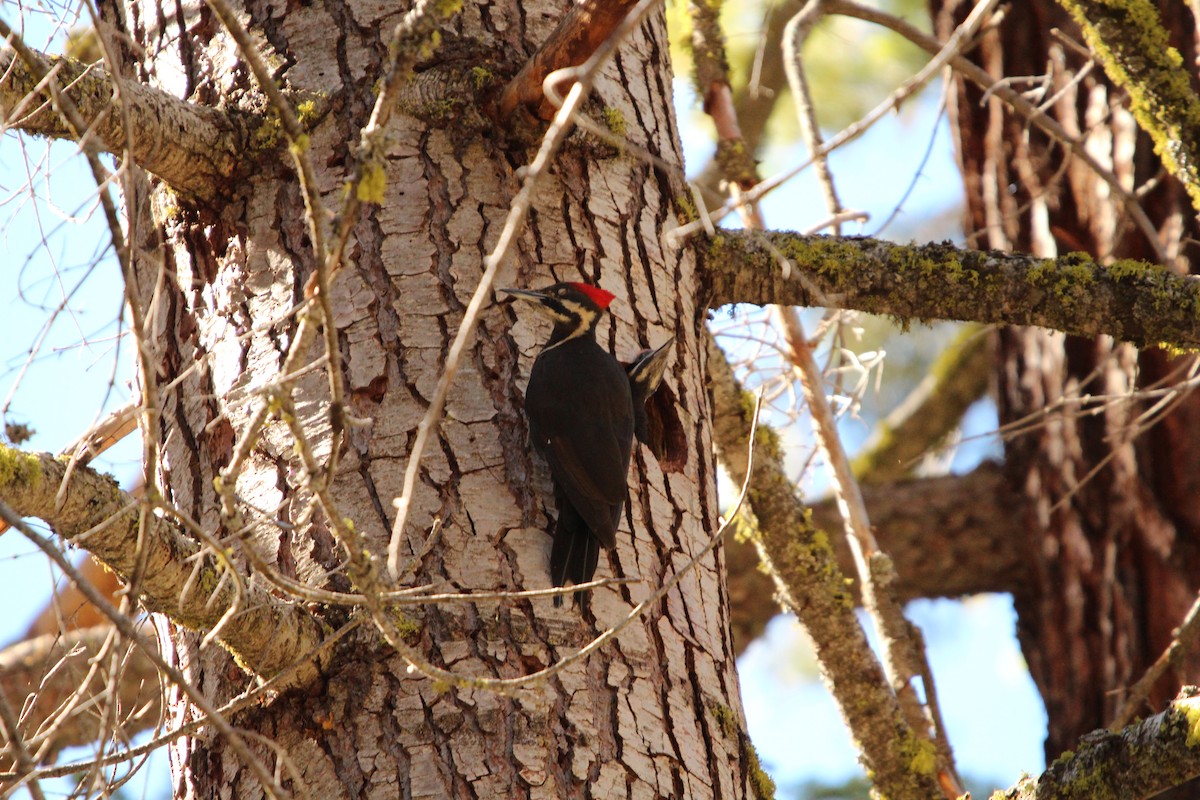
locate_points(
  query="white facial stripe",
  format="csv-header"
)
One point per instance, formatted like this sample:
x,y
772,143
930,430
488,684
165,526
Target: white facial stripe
x,y
586,318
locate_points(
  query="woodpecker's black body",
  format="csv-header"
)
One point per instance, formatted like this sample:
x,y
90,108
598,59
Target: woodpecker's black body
x,y
581,419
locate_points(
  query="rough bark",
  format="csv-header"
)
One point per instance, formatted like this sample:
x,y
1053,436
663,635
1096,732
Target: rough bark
x,y
655,715
1112,516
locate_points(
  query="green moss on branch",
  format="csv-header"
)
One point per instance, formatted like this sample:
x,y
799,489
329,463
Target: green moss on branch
x,y
1130,40
1129,300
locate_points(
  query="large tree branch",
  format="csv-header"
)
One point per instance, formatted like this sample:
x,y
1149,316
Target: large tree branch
x,y
195,149
177,580
1139,761
941,545
1128,300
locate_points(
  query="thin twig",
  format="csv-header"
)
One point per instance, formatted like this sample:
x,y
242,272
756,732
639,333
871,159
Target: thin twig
x,y
794,35
253,696
16,743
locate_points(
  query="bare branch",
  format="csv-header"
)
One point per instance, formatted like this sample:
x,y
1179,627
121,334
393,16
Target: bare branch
x,y
584,27
49,667
1129,300
961,38
794,35
902,650
16,742
127,629
258,694
903,653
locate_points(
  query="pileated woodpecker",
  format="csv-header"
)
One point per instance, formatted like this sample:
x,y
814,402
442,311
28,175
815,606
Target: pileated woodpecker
x,y
581,419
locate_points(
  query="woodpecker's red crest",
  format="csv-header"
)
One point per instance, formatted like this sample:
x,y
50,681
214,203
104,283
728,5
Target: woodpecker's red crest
x,y
599,296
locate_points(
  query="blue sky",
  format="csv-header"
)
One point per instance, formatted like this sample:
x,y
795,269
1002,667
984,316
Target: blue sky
x,y
994,716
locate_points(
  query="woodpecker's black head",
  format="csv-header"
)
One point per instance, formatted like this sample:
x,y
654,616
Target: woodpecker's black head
x,y
646,370
574,307
645,373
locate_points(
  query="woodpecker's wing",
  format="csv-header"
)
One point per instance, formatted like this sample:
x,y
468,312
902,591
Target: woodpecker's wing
x,y
591,467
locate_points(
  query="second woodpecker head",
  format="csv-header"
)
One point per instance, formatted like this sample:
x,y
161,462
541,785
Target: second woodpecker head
x,y
573,307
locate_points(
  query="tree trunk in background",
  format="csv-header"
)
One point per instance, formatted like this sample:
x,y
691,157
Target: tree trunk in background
x,y
647,716
1114,525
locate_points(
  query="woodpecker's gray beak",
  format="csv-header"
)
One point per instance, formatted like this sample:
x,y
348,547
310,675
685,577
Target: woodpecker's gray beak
x,y
525,294
539,300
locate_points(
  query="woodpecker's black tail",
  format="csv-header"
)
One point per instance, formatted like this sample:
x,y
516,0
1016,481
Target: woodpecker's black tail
x,y
575,552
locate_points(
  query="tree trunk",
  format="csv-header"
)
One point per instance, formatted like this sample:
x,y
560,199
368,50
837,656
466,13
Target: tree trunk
x,y
647,716
1115,516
